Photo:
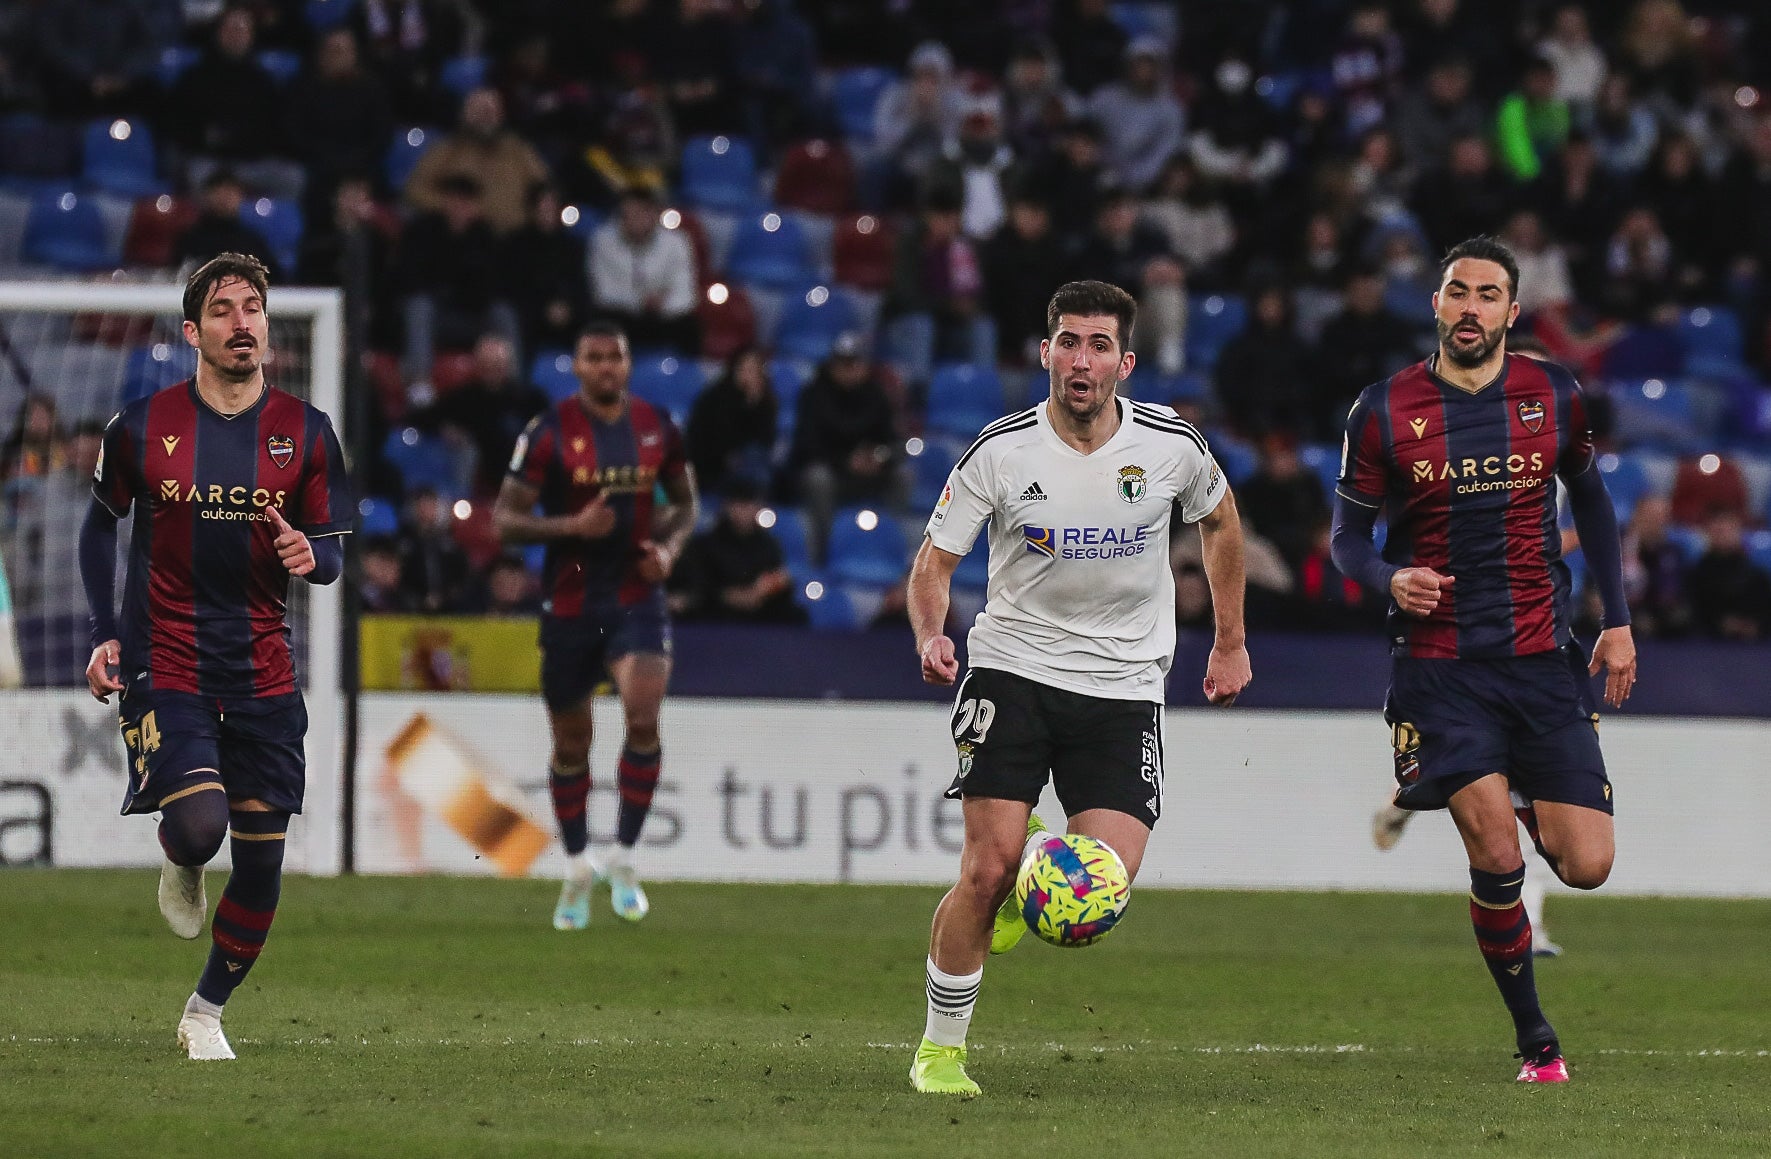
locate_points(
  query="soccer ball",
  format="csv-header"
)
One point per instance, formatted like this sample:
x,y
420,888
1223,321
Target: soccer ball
x,y
1072,890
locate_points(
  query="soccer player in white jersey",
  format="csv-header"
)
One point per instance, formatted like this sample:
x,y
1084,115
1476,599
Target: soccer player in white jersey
x,y
1069,659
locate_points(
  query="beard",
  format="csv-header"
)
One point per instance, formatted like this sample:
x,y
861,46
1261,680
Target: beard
x,y
228,366
1468,356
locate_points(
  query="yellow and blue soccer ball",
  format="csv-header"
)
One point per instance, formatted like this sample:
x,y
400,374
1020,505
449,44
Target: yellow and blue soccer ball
x,y
1072,890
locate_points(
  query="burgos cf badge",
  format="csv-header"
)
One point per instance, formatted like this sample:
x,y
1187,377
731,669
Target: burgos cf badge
x,y
1531,414
965,758
282,449
1131,484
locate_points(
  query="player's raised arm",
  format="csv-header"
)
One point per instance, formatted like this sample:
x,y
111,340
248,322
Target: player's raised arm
x,y
926,598
1228,671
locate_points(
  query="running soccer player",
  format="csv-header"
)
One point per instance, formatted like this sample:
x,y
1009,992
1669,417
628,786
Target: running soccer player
x,y
592,464
1490,706
1070,656
235,487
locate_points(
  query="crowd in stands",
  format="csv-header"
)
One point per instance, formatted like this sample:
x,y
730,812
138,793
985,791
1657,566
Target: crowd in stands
x,y
830,230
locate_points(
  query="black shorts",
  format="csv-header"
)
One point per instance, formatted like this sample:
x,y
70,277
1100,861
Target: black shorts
x,y
1013,733
1531,717
576,653
254,743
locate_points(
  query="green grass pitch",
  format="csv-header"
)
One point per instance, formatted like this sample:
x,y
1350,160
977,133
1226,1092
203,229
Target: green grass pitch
x,y
434,1016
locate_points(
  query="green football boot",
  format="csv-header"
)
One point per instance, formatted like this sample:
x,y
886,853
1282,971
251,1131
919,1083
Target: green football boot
x,y
940,1070
1009,923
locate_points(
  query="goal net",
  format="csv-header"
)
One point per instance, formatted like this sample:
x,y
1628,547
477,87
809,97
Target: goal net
x,y
71,355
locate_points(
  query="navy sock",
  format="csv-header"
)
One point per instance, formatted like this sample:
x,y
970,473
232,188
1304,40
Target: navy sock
x,y
570,789
1503,934
637,777
243,918
193,822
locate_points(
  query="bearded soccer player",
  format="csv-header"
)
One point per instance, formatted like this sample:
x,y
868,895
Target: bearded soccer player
x,y
235,488
592,464
1490,702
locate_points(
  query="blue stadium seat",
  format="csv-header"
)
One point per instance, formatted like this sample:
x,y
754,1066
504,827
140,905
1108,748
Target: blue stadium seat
x,y
463,74
67,231
974,566
154,368
1758,549
1645,352
1691,542
174,62
325,15
862,555
963,399
1715,344
1237,458
811,321
1626,480
378,516
14,212
408,146
1657,411
422,461
1185,387
37,155
789,530
720,173
1325,461
283,65
1145,19
118,156
670,383
279,219
928,472
1211,322
831,609
854,92
551,370
770,251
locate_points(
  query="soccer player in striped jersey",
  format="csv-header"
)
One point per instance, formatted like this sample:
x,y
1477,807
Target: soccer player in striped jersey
x,y
1490,704
592,464
1069,659
235,487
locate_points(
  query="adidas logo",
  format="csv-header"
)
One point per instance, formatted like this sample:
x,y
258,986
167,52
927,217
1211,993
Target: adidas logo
x,y
1032,492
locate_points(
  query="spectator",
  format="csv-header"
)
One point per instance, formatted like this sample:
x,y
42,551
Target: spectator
x,y
338,117
777,71
1362,344
935,304
643,275
1623,130
1730,595
1144,124
1579,203
1367,66
1428,26
1270,582
1131,253
1706,484
1035,104
1437,112
1022,264
1070,179
699,73
354,246
1654,572
546,266
1377,180
488,411
241,131
1197,223
1657,51
1532,123
1325,600
435,573
1283,499
40,551
1410,277
97,57
1639,268
973,164
1263,373
482,149
511,589
1745,194
1465,198
382,585
1092,45
1579,63
34,448
219,228
448,272
636,152
733,423
912,121
1236,144
1544,281
1686,200
406,43
845,440
734,571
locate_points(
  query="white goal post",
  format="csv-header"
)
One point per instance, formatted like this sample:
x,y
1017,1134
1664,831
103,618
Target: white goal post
x,y
61,758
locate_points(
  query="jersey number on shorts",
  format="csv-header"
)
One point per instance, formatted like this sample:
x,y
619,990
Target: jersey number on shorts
x,y
975,716
142,740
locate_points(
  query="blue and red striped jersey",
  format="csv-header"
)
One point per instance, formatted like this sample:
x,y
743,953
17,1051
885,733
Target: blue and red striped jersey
x,y
1467,483
570,457
205,599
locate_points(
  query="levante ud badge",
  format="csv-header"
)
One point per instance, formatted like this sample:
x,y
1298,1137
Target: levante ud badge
x,y
282,449
1531,414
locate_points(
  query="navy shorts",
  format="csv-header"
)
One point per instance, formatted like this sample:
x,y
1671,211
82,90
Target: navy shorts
x,y
254,743
1013,733
1531,717
576,653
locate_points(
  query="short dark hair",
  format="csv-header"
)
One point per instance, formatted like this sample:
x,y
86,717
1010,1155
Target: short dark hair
x,y
1093,298
219,269
1484,248
602,328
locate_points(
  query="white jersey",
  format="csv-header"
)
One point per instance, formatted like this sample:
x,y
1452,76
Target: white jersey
x,y
1080,594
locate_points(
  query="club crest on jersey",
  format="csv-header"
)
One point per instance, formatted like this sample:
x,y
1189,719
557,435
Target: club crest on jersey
x,y
1131,484
1531,414
282,449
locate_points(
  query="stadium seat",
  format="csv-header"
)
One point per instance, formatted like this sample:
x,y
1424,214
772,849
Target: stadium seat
x,y
810,323
280,222
118,156
1325,461
283,64
670,383
422,461
1212,321
1645,352
1657,411
450,369
551,371
1185,387
866,555
789,530
1691,542
34,150
403,152
854,92
928,472
174,62
830,609
973,570
1146,19
1758,549
66,230
770,250
1714,342
154,228
728,321
377,516
325,15
152,368
788,376
963,399
462,74
691,224
1237,458
720,173
817,176
1626,481
864,251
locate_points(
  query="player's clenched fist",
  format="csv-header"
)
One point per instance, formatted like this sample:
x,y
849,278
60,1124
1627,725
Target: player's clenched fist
x,y
98,671
593,520
655,562
939,666
1417,590
292,546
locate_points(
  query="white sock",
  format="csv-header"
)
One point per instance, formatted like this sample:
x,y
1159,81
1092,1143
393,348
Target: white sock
x,y
1033,839
622,858
580,865
951,998
200,1005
